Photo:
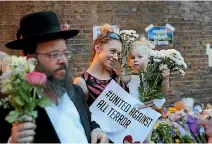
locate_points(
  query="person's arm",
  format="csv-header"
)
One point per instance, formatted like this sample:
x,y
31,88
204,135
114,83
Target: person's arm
x,y
81,82
126,79
165,82
165,87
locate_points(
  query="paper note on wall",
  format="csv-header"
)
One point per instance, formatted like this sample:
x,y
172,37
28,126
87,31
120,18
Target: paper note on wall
x,y
209,53
210,58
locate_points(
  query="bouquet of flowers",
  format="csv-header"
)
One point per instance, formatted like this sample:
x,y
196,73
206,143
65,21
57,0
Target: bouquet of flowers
x,y
20,83
179,138
128,37
173,130
159,60
162,132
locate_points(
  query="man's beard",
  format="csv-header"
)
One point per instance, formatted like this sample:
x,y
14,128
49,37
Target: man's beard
x,y
58,87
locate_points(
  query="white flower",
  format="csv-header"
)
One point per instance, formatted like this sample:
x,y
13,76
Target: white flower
x,y
128,37
159,54
133,31
7,98
6,88
4,61
22,60
136,35
128,32
178,62
31,68
152,53
163,67
162,53
14,61
15,73
184,65
157,60
132,38
182,72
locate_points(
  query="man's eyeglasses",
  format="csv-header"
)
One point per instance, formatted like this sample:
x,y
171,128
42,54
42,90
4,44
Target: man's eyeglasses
x,y
56,55
111,35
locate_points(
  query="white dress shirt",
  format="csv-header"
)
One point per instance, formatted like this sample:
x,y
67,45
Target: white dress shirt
x,y
66,121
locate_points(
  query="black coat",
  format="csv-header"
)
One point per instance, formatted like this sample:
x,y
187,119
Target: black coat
x,y
45,132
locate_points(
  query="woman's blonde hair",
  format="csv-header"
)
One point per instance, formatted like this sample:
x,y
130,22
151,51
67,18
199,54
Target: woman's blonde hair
x,y
106,28
102,38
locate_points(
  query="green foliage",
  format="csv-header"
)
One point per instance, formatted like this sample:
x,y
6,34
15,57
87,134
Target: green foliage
x,y
12,116
24,102
43,102
165,132
152,89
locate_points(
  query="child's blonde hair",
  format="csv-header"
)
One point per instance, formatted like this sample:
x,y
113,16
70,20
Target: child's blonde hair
x,y
144,46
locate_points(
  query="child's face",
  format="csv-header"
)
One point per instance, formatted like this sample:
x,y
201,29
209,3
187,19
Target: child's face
x,y
137,60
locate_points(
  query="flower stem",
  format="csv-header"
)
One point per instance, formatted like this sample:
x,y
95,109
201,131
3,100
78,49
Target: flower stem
x,y
33,99
156,81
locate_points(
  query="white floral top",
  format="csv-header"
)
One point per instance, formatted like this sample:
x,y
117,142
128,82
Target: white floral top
x,y
133,86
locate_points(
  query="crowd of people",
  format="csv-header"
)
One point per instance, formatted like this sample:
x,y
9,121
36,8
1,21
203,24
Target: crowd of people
x,y
68,119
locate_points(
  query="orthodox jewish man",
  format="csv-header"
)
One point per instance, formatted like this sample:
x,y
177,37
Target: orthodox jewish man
x,y
68,119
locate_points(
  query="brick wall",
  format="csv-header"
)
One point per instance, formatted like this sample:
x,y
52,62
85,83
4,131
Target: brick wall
x,y
192,21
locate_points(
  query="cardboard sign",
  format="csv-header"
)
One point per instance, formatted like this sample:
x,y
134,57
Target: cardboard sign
x,y
117,113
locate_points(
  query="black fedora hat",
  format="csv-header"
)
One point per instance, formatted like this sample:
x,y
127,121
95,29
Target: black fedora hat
x,y
39,27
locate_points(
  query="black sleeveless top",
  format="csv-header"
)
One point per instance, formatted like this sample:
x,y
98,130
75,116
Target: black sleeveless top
x,y
96,86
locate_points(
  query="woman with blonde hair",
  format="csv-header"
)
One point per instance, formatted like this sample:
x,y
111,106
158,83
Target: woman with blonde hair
x,y
106,51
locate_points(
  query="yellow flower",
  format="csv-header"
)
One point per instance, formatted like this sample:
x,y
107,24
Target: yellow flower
x,y
177,141
156,126
172,110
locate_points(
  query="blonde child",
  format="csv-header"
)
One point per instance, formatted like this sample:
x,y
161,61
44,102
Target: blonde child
x,y
137,60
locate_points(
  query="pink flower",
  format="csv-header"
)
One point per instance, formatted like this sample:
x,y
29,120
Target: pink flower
x,y
36,78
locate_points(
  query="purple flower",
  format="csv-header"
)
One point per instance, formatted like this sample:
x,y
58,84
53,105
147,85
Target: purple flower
x,y
192,124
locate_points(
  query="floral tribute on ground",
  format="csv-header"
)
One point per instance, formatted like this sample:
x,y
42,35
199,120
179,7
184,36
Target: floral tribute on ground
x,y
181,123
